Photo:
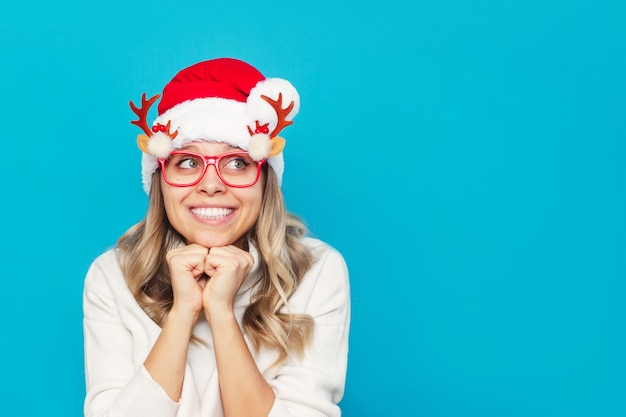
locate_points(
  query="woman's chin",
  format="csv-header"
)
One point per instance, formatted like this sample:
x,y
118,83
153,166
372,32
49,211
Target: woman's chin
x,y
213,242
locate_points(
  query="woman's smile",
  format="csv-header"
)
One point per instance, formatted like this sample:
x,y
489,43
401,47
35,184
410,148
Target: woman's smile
x,y
212,213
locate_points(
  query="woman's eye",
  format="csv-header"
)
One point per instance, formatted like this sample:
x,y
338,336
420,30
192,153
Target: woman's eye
x,y
236,163
188,163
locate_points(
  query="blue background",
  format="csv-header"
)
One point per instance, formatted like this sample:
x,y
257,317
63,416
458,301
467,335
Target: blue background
x,y
467,158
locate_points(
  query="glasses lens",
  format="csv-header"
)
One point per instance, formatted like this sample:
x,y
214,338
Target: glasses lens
x,y
237,169
183,168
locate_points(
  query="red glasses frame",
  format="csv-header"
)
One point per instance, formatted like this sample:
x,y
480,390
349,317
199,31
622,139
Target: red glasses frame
x,y
210,160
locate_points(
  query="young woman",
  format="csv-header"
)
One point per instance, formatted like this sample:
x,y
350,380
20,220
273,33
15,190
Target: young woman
x,y
216,304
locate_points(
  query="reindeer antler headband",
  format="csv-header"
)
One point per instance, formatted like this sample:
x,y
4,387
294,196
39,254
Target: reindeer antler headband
x,y
220,100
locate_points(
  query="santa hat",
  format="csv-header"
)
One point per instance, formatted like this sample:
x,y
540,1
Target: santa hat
x,y
220,100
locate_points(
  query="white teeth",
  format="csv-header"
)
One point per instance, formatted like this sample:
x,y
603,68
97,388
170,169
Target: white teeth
x,y
212,212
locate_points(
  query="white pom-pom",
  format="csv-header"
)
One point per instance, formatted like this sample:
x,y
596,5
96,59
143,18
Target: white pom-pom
x,y
160,145
273,87
259,146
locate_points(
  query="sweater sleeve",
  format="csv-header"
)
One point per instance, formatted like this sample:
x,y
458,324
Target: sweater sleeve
x,y
313,385
116,386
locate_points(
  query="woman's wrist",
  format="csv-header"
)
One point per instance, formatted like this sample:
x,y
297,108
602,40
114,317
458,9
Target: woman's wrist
x,y
223,312
183,318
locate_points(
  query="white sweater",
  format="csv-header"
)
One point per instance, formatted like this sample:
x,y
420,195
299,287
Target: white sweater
x,y
119,335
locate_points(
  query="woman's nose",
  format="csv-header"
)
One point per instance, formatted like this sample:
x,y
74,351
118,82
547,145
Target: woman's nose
x,y
211,183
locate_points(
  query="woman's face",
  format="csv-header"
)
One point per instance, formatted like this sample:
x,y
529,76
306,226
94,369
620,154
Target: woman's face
x,y
211,213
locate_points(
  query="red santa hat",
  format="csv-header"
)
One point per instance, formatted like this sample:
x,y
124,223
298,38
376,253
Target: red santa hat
x,y
220,100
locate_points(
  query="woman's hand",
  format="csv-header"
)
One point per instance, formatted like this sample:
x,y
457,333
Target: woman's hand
x,y
226,268
187,270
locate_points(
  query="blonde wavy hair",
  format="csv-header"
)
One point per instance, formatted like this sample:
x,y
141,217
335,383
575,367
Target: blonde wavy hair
x,y
283,259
